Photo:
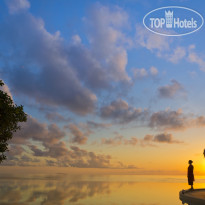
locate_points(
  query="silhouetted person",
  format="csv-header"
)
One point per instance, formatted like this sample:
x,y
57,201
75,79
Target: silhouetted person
x,y
190,174
204,153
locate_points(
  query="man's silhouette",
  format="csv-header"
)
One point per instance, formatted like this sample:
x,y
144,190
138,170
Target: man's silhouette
x,y
190,174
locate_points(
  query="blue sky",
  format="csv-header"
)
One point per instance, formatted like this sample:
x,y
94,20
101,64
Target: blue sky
x,y
93,79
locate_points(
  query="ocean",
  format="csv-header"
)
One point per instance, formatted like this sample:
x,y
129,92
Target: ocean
x,y
99,189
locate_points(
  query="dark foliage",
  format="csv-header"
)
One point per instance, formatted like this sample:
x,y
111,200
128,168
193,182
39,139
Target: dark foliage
x,y
10,116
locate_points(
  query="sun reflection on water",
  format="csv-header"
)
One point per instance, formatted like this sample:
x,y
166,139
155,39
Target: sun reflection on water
x,y
63,189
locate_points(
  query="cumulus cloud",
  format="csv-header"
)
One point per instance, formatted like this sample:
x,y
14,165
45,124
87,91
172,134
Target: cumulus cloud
x,y
52,80
153,70
93,160
165,138
36,131
169,120
120,111
140,73
159,138
131,141
78,136
38,143
178,54
169,91
17,156
148,140
76,157
50,71
49,136
153,42
88,68
160,45
108,39
175,120
53,150
200,120
196,58
119,140
76,39
56,117
16,6
13,153
163,47
96,125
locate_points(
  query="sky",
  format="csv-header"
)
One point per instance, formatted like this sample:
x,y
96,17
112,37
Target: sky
x,y
100,90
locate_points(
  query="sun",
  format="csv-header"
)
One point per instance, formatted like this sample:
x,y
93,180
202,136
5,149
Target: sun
x,y
201,166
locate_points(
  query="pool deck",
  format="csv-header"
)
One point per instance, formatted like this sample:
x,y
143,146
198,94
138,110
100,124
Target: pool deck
x,y
192,197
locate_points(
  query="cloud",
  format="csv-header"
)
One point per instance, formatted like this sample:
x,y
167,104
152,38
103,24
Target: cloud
x,y
140,73
131,141
199,121
88,68
16,6
14,151
153,71
178,54
93,160
54,150
46,74
108,39
160,45
76,39
56,117
165,138
44,143
78,136
121,112
47,69
153,42
6,89
175,120
49,136
81,131
119,140
169,120
169,91
17,156
148,140
193,57
96,125
80,158
36,131
32,129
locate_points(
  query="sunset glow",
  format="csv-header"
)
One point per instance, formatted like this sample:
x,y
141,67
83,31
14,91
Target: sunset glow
x,y
103,94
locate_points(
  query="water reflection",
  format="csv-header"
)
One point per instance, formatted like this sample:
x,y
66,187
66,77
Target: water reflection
x,y
62,189
49,191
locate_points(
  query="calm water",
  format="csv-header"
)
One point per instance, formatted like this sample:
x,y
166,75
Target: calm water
x,y
60,189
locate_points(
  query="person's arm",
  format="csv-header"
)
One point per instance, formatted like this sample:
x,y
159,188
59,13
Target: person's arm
x,y
188,172
193,174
